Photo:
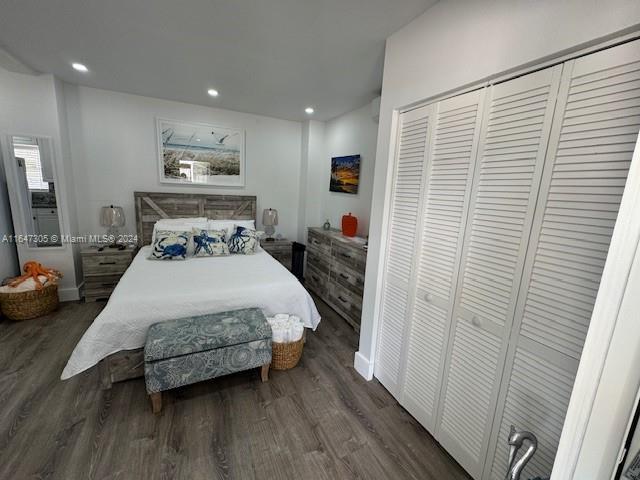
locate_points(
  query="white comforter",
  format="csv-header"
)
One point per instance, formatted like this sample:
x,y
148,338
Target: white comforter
x,y
153,290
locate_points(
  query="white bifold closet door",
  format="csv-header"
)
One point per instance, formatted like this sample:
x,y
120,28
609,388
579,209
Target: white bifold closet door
x,y
445,201
515,130
502,207
590,150
412,147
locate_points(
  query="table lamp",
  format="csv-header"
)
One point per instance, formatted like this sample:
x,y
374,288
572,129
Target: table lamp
x,y
112,218
269,219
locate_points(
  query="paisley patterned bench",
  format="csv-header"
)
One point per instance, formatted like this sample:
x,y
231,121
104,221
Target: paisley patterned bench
x,y
189,350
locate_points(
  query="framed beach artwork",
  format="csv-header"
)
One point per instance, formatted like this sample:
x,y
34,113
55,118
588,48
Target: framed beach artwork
x,y
345,174
200,154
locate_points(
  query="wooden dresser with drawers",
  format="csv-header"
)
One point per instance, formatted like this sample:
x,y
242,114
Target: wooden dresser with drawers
x,y
335,271
102,270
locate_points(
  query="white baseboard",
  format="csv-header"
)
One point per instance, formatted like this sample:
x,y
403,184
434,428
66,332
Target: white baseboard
x,y
69,294
363,366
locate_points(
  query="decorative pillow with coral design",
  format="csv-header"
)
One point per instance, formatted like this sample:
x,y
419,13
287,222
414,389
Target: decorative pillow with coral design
x,y
170,245
210,243
244,241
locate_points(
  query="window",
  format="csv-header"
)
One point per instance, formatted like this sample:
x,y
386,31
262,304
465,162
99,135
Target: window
x,y
27,149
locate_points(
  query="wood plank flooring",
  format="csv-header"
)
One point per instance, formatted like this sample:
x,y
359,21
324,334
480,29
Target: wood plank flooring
x,y
320,420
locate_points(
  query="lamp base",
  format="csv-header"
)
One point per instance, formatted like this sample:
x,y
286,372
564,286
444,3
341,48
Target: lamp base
x,y
269,230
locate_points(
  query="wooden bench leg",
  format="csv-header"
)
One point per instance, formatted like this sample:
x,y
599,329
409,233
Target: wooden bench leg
x,y
264,372
156,402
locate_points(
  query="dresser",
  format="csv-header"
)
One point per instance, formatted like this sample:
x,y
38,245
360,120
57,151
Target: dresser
x,y
335,271
102,270
280,249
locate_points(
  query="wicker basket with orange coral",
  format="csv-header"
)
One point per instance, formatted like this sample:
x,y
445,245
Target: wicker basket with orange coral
x,y
31,295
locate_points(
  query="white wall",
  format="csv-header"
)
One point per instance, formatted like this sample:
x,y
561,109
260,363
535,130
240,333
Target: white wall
x,y
312,153
350,134
353,133
29,106
457,43
113,146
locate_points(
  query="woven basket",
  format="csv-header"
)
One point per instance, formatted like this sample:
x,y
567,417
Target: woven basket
x,y
286,355
30,304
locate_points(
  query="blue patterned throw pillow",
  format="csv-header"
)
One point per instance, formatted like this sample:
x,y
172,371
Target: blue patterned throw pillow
x,y
170,245
244,240
210,243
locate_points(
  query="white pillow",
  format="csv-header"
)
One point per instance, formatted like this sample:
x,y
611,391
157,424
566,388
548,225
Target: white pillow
x,y
228,225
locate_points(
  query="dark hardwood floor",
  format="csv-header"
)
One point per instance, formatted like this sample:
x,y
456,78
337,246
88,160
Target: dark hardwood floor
x,y
320,420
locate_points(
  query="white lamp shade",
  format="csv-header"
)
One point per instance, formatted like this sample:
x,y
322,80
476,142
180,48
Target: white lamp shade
x,y
112,216
269,217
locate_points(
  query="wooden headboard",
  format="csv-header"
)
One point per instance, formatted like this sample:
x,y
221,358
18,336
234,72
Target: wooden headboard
x,y
152,206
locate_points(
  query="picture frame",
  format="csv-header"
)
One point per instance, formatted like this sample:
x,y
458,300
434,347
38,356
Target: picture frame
x,y
345,174
192,153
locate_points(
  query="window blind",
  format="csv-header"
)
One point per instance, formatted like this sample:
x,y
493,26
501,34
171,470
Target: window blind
x,y
33,167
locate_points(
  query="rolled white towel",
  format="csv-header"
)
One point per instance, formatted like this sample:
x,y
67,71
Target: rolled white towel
x,y
286,328
296,332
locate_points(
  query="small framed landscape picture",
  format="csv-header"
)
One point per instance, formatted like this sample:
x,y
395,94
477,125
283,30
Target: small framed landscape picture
x,y
345,174
200,154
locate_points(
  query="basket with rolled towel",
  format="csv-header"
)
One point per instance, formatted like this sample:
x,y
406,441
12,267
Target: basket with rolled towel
x,y
287,340
30,295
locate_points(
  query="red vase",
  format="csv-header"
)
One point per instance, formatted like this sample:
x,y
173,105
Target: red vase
x,y
349,225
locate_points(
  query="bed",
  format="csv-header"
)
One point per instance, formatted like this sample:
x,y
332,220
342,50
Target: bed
x,y
153,290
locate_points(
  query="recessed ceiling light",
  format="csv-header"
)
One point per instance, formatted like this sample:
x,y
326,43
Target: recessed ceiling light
x,y
213,92
80,67
309,110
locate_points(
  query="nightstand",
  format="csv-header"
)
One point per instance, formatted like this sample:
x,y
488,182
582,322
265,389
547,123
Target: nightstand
x,y
281,250
102,270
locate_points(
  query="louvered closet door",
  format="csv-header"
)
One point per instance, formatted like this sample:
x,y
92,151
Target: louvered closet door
x,y
445,203
413,135
591,146
513,141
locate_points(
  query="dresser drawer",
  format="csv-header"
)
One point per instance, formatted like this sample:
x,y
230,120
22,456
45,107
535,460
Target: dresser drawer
x,y
347,304
351,257
105,264
319,243
320,262
316,281
102,281
348,278
277,249
93,294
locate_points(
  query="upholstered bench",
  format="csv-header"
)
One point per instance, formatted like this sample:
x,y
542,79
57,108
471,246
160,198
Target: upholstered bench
x,y
189,350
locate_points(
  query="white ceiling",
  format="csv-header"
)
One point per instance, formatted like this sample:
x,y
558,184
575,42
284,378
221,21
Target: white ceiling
x,y
270,57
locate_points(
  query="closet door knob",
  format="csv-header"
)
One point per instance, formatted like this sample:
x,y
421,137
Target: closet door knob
x,y
428,297
476,321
